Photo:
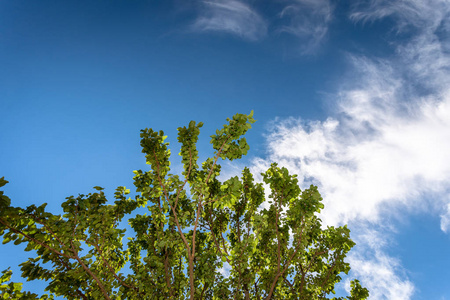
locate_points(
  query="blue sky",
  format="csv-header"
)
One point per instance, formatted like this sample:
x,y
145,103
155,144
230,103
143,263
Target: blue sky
x,y
354,98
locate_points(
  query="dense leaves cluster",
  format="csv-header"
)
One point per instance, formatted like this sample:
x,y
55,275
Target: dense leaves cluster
x,y
199,239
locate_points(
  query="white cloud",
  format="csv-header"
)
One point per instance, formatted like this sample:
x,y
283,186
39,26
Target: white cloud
x,y
307,20
385,146
383,275
372,154
381,278
230,16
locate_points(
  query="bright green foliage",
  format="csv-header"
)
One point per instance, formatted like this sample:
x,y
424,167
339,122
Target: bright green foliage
x,y
13,290
192,227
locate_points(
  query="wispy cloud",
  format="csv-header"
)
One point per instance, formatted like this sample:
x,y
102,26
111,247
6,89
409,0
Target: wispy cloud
x,y
445,219
230,16
308,20
423,14
384,276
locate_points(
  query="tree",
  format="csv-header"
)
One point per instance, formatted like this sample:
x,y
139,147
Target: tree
x,y
195,228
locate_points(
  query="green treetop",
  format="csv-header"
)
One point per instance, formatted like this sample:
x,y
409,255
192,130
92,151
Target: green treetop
x,y
195,227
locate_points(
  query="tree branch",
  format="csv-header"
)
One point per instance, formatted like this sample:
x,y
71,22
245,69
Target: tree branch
x,y
286,266
188,250
185,180
166,271
76,257
215,160
33,239
329,271
100,252
100,285
40,221
290,285
278,238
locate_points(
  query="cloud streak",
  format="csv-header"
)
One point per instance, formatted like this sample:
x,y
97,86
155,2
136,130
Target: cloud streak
x,y
308,20
424,14
232,16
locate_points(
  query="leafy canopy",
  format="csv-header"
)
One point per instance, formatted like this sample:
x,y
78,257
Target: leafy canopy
x,y
200,238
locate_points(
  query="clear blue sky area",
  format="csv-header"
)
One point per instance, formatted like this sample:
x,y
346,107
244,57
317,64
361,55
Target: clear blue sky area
x,y
338,89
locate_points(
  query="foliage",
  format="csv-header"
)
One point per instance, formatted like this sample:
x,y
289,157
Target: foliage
x,y
196,227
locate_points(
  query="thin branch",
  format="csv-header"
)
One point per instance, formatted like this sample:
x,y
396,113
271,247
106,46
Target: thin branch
x,y
75,256
33,239
278,238
179,272
213,200
100,285
290,285
188,250
191,257
215,238
223,244
215,160
100,252
302,281
69,268
286,266
256,287
205,288
150,277
81,294
159,177
166,265
329,270
199,207
185,180
314,257
40,221
166,271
